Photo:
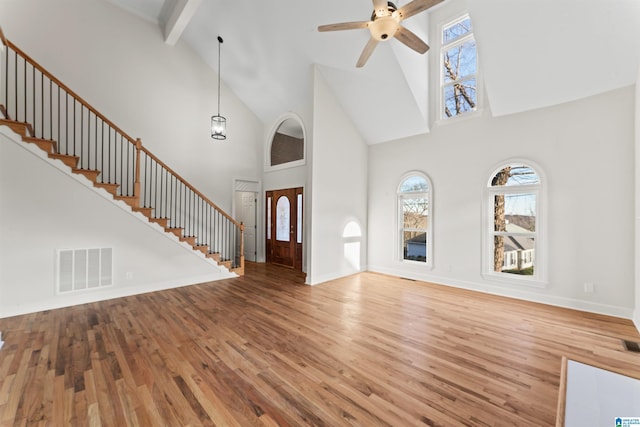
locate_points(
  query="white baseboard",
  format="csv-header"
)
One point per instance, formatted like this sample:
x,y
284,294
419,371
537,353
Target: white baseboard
x,y
316,280
68,300
523,294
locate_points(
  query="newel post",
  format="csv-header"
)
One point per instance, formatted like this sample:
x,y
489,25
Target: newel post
x,y
136,185
242,248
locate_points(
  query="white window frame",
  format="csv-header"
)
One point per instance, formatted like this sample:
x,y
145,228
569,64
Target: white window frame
x,y
539,278
441,116
400,220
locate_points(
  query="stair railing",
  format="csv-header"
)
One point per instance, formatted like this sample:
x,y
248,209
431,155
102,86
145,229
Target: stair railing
x,y
52,111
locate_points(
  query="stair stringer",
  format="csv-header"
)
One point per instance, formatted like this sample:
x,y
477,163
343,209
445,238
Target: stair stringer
x,y
218,272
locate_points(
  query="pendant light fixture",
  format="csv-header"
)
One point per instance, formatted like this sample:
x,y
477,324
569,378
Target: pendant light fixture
x,y
218,123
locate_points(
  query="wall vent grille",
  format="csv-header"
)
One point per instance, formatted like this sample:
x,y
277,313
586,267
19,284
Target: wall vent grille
x,y
80,269
631,346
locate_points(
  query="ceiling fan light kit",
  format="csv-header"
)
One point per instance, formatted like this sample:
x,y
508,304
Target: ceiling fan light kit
x,y
385,24
385,27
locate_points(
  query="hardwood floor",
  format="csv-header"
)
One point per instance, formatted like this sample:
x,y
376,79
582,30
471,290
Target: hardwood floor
x,y
265,350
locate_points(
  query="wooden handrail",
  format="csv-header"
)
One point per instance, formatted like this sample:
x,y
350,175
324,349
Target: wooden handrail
x,y
192,188
111,124
137,143
68,90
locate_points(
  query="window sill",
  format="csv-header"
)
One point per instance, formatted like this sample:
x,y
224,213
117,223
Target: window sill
x,y
461,118
415,264
289,165
515,280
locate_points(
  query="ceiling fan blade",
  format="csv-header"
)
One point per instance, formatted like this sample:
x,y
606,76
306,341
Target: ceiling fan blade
x,y
380,7
410,39
366,52
416,6
344,26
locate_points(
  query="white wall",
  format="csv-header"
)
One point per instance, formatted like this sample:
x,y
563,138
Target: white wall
x,y
43,209
164,95
586,151
339,197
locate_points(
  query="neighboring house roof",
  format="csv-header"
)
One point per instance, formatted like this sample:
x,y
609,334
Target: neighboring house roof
x,y
517,243
420,239
513,228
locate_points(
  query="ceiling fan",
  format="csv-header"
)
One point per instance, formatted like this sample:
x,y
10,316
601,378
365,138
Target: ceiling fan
x,y
385,25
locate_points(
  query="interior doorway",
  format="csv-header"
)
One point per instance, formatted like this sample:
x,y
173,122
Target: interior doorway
x,y
246,211
284,220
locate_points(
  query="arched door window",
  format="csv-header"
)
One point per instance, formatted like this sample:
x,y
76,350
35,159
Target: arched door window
x,y
283,219
415,219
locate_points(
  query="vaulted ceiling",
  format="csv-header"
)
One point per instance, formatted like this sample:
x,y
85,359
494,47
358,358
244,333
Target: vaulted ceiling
x,y
532,54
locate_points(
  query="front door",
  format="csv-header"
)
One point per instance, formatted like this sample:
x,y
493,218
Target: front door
x,y
284,227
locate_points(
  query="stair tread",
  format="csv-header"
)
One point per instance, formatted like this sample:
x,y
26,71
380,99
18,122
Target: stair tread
x,y
47,145
90,171
63,157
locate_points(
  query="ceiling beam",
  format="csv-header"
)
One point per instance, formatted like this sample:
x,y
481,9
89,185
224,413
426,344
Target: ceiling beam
x,y
178,19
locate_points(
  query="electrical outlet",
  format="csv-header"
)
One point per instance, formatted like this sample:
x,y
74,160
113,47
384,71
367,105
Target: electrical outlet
x,y
129,275
589,287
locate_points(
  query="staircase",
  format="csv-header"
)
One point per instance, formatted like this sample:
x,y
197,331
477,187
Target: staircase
x,y
45,112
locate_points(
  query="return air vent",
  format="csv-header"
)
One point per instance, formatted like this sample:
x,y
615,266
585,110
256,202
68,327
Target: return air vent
x,y
631,346
80,269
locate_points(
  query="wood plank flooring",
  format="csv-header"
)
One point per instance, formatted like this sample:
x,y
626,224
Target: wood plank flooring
x,y
265,350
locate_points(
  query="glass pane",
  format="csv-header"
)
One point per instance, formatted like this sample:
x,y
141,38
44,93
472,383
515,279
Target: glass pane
x,y
457,30
459,61
299,223
515,213
283,221
514,254
414,245
269,218
460,97
285,149
414,184
515,175
415,213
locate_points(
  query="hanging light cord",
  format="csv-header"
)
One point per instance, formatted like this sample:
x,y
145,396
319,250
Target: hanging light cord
x,y
219,43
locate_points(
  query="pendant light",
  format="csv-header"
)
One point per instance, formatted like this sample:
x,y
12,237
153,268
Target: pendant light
x,y
218,123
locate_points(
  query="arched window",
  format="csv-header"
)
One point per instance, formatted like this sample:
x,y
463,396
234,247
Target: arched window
x,y
513,225
414,219
286,147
